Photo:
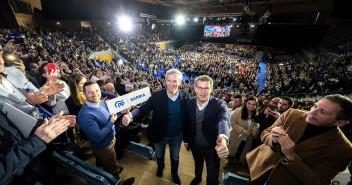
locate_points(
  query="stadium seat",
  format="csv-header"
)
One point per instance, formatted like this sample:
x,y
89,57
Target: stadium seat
x,y
142,150
232,179
93,168
92,174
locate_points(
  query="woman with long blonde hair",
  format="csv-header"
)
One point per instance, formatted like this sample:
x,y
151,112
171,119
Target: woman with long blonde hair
x,y
76,100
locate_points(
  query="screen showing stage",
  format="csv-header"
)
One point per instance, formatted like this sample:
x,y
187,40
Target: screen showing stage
x,y
216,31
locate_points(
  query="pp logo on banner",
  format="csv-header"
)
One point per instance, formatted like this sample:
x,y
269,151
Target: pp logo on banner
x,y
126,101
119,104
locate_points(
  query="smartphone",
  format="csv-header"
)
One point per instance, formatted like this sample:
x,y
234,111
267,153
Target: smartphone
x,y
9,58
272,107
51,67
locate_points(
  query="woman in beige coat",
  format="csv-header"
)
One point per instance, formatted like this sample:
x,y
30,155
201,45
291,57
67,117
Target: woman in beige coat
x,y
244,130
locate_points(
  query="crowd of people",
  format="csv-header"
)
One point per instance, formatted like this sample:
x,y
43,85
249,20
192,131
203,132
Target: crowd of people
x,y
215,110
301,76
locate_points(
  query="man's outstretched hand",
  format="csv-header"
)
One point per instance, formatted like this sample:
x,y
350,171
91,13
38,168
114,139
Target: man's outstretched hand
x,y
221,147
126,119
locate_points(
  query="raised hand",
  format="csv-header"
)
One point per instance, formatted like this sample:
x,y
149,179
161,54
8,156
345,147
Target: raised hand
x,y
65,67
221,147
49,130
10,46
51,76
125,111
126,119
276,132
275,113
113,117
287,146
19,65
37,98
104,99
52,88
70,118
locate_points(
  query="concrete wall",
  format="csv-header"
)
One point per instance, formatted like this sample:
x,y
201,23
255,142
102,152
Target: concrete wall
x,y
24,19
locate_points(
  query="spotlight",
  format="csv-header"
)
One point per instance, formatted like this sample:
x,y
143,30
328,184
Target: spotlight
x,y
252,25
125,23
195,19
234,19
180,19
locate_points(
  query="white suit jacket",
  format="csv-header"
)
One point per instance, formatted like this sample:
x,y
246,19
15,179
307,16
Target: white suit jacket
x,y
20,82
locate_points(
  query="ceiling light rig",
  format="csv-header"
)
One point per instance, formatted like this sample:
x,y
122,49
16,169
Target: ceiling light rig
x,y
266,16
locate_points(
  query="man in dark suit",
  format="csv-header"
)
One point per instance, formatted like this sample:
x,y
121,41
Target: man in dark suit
x,y
207,130
168,106
304,147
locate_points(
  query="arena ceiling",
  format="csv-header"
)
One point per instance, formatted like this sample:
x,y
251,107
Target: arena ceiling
x,y
204,4
286,11
237,6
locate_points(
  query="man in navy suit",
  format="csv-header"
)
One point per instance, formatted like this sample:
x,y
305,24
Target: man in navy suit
x,y
207,130
168,106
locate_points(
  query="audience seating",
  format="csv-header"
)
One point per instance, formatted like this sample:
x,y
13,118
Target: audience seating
x,y
142,150
232,179
92,174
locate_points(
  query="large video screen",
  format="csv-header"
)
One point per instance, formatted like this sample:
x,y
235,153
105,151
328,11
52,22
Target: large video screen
x,y
216,31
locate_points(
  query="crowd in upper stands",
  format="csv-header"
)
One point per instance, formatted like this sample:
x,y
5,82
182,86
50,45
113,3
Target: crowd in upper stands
x,y
233,68
308,76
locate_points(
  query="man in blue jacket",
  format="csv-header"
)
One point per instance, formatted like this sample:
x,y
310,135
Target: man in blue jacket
x,y
96,122
168,106
207,130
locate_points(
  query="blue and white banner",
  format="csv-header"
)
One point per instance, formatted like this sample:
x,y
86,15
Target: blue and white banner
x,y
126,101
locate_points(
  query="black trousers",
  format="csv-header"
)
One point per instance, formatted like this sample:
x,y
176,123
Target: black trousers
x,y
240,150
211,160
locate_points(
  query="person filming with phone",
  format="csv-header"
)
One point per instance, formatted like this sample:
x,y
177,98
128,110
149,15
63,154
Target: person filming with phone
x,y
270,114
